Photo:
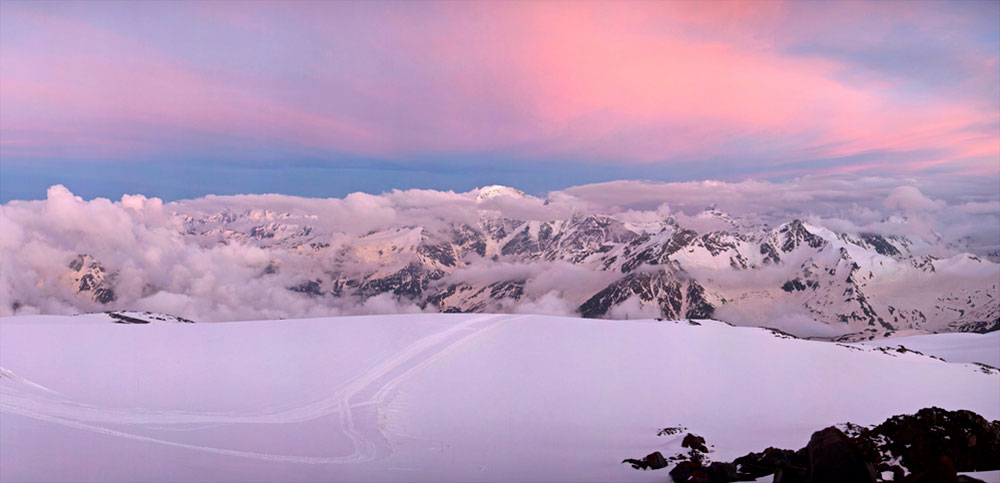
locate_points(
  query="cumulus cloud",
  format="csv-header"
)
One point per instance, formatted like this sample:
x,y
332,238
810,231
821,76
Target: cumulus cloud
x,y
910,199
157,265
892,206
633,308
549,304
786,317
981,207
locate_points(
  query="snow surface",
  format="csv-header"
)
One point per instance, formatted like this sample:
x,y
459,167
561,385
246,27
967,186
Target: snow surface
x,y
957,347
987,476
461,397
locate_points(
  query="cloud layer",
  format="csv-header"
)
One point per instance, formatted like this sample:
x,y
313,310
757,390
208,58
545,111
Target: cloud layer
x,y
159,265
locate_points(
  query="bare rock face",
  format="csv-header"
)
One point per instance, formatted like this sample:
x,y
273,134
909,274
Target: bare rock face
x,y
656,461
695,442
932,445
652,461
834,457
125,317
771,461
670,289
969,441
675,270
90,280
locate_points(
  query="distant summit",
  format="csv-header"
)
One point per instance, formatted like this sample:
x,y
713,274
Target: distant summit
x,y
255,257
496,190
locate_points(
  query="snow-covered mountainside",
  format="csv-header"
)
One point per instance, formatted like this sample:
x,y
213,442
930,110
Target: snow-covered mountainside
x,y
983,348
495,249
433,397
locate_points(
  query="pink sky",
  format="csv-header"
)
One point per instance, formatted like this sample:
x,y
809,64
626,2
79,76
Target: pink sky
x,y
766,87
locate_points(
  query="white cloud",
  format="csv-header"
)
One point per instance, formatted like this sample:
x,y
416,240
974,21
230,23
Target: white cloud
x,y
160,268
910,199
632,308
549,304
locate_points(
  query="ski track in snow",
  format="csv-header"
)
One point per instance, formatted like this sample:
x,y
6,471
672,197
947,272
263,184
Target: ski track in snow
x,y
365,387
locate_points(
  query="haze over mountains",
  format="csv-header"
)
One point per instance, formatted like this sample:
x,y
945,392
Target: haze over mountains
x,y
818,257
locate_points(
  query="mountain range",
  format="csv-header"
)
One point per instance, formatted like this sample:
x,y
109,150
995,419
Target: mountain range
x,y
798,276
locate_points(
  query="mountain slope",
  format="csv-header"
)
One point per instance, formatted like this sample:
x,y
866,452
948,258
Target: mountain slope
x,y
862,285
431,397
496,249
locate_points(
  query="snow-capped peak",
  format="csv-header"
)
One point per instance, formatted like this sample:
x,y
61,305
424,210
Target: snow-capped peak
x,y
496,190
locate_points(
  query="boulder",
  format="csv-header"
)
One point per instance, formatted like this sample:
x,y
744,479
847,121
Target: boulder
x,y
685,471
719,472
655,461
932,445
940,470
833,457
695,442
652,461
694,472
767,462
970,441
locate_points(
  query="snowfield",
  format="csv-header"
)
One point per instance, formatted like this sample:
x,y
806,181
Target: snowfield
x,y
957,347
464,397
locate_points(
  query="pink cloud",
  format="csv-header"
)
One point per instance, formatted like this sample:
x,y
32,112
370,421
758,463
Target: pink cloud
x,y
634,83
76,87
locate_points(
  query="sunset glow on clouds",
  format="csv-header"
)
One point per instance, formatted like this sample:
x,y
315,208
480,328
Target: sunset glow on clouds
x,y
755,89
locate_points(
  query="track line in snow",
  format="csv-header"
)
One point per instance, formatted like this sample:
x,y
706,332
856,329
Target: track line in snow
x,y
404,364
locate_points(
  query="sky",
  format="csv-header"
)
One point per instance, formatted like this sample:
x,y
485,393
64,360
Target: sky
x,y
182,99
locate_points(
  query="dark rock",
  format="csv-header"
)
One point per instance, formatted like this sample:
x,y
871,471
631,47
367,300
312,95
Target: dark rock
x,y
410,281
695,472
979,326
770,254
670,431
652,461
769,461
880,244
671,289
77,263
686,471
791,475
694,442
793,285
124,319
94,280
678,240
796,470
120,318
932,445
512,289
940,470
104,295
794,234
442,253
263,231
970,442
833,457
656,461
698,307
309,287
722,472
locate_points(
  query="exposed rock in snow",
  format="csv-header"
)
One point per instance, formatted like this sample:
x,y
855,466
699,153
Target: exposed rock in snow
x,y
229,259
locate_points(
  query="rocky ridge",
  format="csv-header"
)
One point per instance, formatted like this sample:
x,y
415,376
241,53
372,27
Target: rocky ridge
x,y
861,285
